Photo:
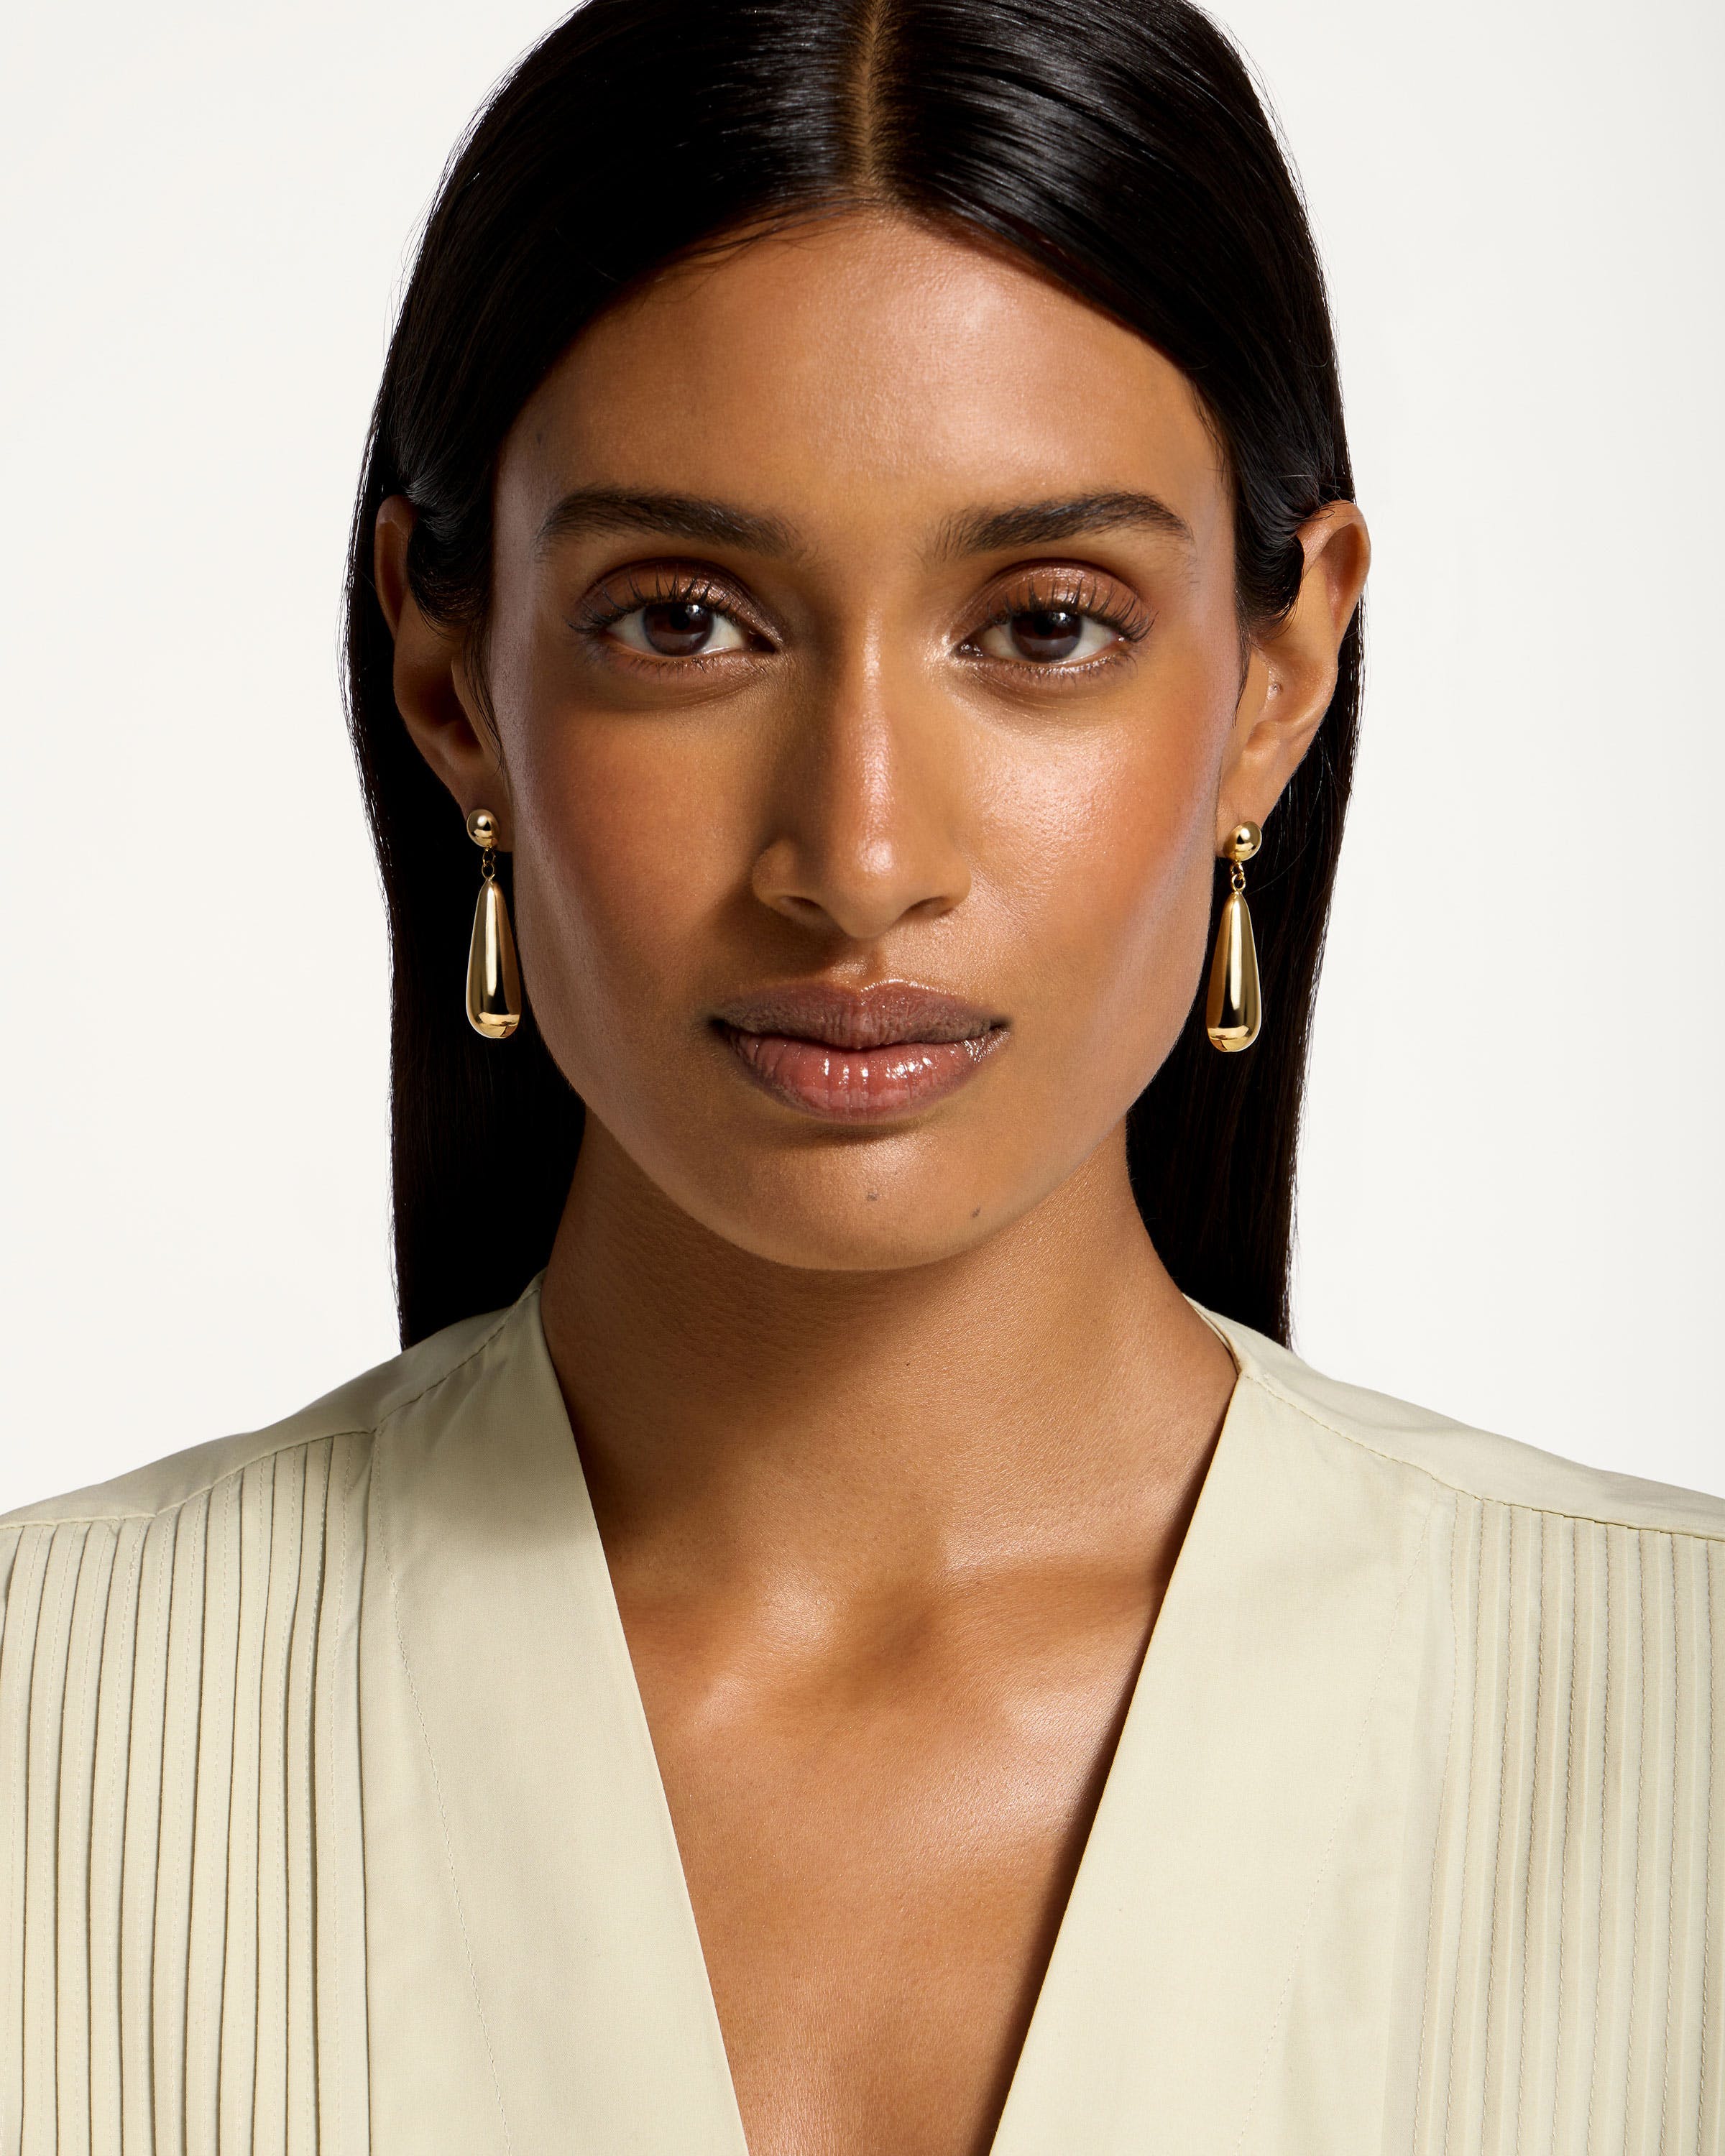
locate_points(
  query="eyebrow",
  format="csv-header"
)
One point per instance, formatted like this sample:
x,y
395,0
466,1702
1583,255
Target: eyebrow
x,y
1042,523
973,532
671,515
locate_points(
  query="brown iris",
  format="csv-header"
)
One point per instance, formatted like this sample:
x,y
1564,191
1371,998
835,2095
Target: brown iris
x,y
1046,633
676,628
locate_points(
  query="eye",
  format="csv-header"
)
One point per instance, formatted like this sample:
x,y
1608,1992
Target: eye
x,y
677,629
1048,635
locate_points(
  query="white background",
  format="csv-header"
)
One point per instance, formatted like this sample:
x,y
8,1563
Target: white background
x,y
1513,1178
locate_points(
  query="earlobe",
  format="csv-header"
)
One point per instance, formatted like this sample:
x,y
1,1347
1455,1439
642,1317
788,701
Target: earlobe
x,y
432,692
1290,672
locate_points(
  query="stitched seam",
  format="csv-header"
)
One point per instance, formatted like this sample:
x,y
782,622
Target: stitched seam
x,y
204,1489
1641,1822
1706,1851
1640,1828
1485,1497
149,1891
19,1868
187,1786
1323,1867
219,1957
330,1437
1479,1569
1670,1935
443,1377
1569,1784
62,1623
318,1588
1532,1818
95,1648
442,1814
338,1652
1509,1624
257,1678
119,1797
1433,1932
280,1724
1605,1704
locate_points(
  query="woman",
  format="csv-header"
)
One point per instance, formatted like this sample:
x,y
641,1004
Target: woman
x,y
846,1628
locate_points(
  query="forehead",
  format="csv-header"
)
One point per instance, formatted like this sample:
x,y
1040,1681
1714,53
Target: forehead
x,y
861,369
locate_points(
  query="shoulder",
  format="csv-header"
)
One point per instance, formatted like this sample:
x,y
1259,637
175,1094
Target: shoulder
x,y
1556,1717
353,1412
179,1731
1473,1464
141,1616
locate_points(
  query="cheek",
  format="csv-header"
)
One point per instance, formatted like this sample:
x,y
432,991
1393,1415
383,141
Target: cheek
x,y
1107,890
624,858
619,851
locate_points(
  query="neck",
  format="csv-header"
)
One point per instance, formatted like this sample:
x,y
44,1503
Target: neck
x,y
1034,1399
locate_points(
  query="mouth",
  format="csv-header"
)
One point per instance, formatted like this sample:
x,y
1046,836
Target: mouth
x,y
855,1055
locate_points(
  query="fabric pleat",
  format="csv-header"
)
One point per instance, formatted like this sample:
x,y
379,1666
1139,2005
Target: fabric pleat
x,y
1477,1911
1572,1999
179,1818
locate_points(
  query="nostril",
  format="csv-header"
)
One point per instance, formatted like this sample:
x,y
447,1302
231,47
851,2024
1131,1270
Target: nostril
x,y
809,910
853,882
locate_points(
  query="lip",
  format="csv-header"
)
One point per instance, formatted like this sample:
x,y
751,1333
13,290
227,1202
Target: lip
x,y
862,1054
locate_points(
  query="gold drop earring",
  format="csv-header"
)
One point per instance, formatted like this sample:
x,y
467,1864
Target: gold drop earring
x,y
1234,1010
494,980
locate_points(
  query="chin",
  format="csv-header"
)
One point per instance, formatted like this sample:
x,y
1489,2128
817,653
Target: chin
x,y
826,1246
876,1206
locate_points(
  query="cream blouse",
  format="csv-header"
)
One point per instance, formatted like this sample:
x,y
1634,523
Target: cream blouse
x,y
329,1821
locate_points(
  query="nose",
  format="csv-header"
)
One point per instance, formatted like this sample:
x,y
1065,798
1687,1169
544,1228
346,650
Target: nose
x,y
867,810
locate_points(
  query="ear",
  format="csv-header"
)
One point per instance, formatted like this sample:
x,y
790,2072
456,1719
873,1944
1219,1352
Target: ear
x,y
433,691
1291,670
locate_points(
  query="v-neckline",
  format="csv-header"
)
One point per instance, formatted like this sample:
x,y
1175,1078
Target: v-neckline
x,y
496,1682
1006,2137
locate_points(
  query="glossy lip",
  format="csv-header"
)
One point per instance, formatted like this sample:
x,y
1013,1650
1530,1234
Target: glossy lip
x,y
858,1054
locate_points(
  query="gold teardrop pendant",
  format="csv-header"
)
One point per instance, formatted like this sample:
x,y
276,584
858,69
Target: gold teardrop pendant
x,y
494,980
1233,1013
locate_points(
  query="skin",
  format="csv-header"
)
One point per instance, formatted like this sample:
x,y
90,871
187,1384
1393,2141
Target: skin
x,y
892,1433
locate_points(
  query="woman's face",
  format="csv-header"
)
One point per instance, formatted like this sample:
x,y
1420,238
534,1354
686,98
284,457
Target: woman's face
x,y
869,707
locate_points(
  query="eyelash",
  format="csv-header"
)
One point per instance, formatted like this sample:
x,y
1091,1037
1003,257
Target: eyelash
x,y
605,607
1047,590
1082,594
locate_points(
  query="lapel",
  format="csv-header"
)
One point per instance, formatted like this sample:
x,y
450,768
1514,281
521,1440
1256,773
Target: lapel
x,y
1222,1978
536,1980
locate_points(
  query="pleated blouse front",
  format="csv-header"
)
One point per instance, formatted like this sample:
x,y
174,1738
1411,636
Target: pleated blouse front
x,y
185,1953
1575,1997
330,1820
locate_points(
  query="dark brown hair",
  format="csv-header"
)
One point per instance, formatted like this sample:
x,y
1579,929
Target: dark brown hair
x,y
1117,144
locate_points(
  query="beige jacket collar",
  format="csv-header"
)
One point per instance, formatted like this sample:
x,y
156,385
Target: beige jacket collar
x,y
1222,1977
